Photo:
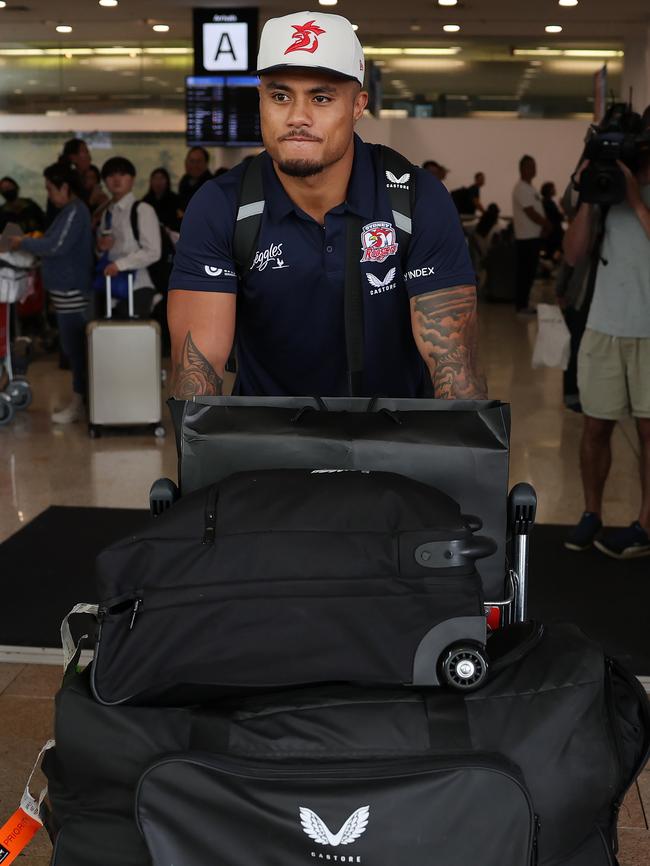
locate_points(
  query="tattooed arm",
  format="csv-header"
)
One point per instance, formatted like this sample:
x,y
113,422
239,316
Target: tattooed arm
x,y
445,329
202,328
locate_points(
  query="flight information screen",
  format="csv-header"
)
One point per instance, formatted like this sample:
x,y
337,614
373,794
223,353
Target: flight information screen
x,y
222,110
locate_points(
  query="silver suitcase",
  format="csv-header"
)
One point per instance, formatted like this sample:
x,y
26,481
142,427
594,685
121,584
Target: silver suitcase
x,y
124,371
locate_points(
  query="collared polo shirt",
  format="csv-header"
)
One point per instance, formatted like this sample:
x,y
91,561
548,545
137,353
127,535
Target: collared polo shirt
x,y
290,321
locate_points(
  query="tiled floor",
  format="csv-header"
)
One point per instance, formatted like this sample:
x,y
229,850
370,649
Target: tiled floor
x,y
40,466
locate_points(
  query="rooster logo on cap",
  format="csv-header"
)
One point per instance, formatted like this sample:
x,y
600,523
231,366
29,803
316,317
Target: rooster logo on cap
x,y
305,38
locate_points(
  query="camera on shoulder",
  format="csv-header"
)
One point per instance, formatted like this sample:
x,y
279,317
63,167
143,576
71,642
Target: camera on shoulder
x,y
619,136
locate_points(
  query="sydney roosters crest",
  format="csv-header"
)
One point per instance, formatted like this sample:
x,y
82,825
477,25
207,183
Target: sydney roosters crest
x,y
305,38
378,242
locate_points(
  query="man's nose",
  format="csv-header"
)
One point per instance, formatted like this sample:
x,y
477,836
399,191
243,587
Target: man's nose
x,y
300,113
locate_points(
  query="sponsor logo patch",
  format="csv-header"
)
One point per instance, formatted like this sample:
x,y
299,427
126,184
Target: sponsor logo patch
x,y
270,256
218,272
397,182
305,38
419,272
352,829
378,242
381,286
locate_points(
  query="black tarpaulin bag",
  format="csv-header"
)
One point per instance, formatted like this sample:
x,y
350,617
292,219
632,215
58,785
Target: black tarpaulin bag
x,y
280,578
574,723
460,447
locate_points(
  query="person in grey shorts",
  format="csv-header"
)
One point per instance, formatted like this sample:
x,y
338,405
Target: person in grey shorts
x,y
614,357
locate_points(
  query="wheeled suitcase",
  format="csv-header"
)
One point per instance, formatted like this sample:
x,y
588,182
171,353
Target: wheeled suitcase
x,y
124,370
289,577
555,717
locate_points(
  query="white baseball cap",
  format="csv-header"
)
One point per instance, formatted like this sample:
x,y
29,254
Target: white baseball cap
x,y
311,40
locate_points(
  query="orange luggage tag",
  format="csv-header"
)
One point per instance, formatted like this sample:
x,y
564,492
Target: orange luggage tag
x,y
24,824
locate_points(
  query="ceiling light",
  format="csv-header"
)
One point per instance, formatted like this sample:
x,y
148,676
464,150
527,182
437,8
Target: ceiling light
x,y
451,28
431,51
553,28
161,28
18,90
72,89
568,2
415,27
63,28
355,27
328,2
165,50
447,2
108,2
567,52
2,6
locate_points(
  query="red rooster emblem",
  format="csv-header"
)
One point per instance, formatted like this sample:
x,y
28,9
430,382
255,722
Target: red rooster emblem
x,y
305,38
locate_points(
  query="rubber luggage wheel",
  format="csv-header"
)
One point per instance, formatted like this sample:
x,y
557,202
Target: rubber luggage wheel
x,y
464,667
7,410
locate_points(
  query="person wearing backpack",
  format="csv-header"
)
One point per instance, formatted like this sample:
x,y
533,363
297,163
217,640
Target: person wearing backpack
x,y
355,276
129,235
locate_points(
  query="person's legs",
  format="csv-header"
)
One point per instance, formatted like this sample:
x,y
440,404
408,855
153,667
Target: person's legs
x,y
527,262
595,461
576,321
643,426
72,334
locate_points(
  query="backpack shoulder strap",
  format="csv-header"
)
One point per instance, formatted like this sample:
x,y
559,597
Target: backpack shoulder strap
x,y
399,176
250,207
134,221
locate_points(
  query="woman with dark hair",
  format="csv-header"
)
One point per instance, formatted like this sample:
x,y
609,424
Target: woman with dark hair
x,y
162,199
75,152
97,198
67,261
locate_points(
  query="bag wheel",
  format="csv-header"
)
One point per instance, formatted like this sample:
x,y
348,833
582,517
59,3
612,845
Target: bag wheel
x,y
20,393
6,409
464,667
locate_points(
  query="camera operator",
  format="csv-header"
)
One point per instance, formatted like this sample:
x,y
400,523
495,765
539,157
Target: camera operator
x,y
614,357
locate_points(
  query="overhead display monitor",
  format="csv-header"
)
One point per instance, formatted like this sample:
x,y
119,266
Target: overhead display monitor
x,y
225,40
222,111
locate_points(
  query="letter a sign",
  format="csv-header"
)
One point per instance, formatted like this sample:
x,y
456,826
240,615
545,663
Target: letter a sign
x,y
225,47
224,40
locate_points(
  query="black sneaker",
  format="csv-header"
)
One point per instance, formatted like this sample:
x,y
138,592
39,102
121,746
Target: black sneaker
x,y
583,535
627,543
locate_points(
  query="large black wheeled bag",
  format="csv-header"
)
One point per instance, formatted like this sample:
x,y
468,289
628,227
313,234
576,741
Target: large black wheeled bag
x,y
289,577
558,732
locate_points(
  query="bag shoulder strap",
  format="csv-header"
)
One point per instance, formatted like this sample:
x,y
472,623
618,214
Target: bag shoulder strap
x,y
250,207
134,221
399,176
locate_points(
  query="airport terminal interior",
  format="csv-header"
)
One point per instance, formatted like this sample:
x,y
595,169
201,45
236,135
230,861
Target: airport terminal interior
x,y
464,89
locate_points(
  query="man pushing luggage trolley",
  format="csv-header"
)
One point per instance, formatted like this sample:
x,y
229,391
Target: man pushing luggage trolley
x,y
341,266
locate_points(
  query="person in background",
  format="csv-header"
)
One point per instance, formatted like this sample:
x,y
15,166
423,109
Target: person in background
x,y
436,169
197,171
94,190
66,255
163,199
474,191
117,238
553,240
75,154
22,211
529,223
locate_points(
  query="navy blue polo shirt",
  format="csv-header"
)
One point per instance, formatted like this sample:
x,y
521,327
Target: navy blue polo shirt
x,y
290,324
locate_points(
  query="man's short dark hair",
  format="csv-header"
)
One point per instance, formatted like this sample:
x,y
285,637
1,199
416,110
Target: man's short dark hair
x,y
9,180
202,150
525,158
430,163
547,188
118,165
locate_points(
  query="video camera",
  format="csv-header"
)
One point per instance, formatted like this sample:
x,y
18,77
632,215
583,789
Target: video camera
x,y
619,136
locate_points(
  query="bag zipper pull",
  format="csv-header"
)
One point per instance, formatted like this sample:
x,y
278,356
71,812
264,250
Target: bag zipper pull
x,y
137,604
210,526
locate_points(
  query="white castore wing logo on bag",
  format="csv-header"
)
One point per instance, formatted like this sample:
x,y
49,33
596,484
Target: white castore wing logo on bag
x,y
317,830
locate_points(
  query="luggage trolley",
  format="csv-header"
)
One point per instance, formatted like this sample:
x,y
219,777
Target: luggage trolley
x,y
16,394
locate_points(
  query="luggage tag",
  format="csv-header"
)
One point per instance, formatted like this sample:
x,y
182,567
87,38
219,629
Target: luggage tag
x,y
24,824
72,651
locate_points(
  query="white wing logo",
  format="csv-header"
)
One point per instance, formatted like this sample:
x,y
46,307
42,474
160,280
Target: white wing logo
x,y
403,179
317,830
377,283
213,272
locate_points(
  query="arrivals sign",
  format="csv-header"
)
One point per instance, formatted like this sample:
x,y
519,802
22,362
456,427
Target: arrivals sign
x,y
225,40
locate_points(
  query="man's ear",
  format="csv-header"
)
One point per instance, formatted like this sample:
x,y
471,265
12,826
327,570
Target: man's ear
x,y
360,104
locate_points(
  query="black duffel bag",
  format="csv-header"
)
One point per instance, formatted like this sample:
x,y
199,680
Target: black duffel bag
x,y
458,446
565,730
289,577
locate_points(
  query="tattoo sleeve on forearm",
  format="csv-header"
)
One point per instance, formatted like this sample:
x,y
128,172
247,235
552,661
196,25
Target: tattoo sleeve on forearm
x,y
194,375
446,329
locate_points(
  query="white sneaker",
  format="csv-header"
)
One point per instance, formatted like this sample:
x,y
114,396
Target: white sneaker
x,y
74,411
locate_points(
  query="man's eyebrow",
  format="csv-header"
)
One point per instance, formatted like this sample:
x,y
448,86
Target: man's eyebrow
x,y
319,88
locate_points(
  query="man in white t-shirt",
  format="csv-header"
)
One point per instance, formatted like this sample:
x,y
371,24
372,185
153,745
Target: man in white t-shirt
x,y
529,224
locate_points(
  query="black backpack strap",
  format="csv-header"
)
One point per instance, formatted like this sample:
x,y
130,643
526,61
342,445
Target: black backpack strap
x,y
134,221
353,305
399,176
250,207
